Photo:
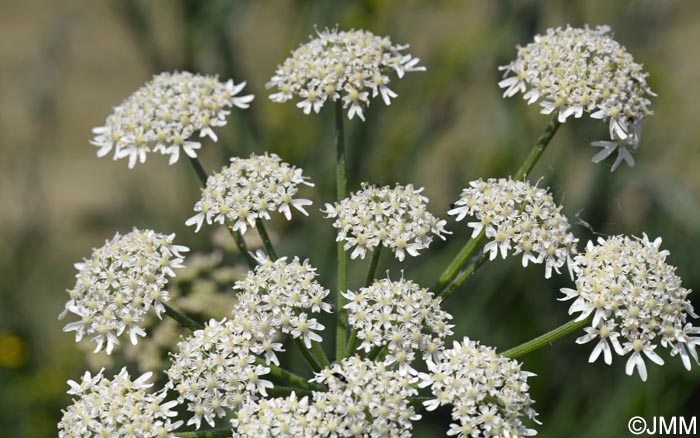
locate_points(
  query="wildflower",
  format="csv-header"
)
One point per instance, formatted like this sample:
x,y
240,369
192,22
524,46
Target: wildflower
x,y
636,301
249,189
518,218
396,218
279,297
575,70
350,66
119,283
118,407
215,370
401,316
488,392
364,398
165,114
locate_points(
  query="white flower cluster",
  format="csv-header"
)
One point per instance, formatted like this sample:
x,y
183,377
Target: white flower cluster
x,y
364,398
279,297
396,218
215,370
164,114
247,190
401,316
341,65
488,392
576,70
117,408
518,217
119,283
636,300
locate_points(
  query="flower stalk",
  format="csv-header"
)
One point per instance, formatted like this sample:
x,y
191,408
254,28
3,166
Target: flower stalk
x,y
266,240
373,263
224,432
341,183
545,339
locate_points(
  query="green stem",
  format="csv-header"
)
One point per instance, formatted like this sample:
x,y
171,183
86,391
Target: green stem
x,y
224,432
290,378
352,344
182,319
545,339
341,182
463,276
242,247
538,149
374,261
456,264
237,237
266,240
319,354
417,402
199,170
377,353
310,358
468,249
284,391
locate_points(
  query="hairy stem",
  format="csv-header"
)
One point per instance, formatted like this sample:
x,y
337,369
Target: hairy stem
x,y
463,276
341,182
538,149
266,240
545,339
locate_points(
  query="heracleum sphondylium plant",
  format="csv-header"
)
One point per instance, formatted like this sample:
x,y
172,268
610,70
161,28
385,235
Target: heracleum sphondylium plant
x,y
392,351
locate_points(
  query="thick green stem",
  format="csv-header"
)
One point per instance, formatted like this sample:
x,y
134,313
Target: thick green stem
x,y
237,237
545,339
452,270
463,276
224,432
310,358
352,343
283,391
417,401
373,263
290,378
341,182
538,149
182,319
266,240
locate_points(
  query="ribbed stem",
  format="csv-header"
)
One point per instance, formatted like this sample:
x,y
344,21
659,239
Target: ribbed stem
x,y
545,339
374,261
266,240
456,264
341,182
538,149
319,354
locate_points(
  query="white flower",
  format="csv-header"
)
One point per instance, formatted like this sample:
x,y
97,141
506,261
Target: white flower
x,y
279,297
163,116
636,300
575,70
249,189
518,218
401,316
116,408
396,218
349,65
119,283
214,370
488,392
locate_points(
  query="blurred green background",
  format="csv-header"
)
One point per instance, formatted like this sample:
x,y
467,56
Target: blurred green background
x,y
63,65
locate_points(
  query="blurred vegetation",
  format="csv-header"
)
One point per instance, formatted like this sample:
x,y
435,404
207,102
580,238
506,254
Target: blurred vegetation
x,y
65,64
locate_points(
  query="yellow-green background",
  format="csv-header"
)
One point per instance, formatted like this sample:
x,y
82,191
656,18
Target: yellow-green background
x,y
63,65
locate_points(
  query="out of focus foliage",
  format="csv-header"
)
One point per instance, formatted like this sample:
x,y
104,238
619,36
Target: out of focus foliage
x,y
64,64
